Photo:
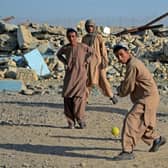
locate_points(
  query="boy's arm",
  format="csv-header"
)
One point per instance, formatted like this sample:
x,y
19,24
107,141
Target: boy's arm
x,y
103,52
89,53
60,54
128,84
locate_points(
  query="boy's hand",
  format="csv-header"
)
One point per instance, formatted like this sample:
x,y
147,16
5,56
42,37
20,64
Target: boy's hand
x,y
114,99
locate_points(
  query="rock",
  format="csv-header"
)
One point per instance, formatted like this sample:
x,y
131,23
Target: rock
x,y
18,40
165,49
81,27
60,66
8,42
52,63
82,164
2,74
106,31
27,92
25,165
26,75
10,74
6,27
11,85
138,43
152,67
24,37
46,48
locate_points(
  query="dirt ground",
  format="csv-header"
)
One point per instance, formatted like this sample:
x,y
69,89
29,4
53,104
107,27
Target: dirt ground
x,y
33,134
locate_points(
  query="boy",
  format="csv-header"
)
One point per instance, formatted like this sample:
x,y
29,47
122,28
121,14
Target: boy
x,y
140,121
99,62
75,56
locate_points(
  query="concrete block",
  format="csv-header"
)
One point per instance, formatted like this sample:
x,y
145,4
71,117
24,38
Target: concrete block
x,y
37,63
11,85
26,75
24,37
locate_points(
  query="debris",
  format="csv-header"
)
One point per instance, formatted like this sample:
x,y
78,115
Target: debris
x,y
138,29
11,85
165,49
7,19
32,48
144,27
24,37
8,42
26,75
36,62
106,31
6,27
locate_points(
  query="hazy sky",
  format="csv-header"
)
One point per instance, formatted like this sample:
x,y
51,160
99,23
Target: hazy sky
x,y
109,12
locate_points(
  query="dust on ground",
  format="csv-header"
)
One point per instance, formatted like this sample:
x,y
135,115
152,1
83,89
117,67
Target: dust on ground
x,y
34,134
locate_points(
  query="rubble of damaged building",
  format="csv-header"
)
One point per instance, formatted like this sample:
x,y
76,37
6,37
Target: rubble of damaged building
x,y
27,51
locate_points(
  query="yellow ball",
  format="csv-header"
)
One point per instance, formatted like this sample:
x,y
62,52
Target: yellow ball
x,y
115,131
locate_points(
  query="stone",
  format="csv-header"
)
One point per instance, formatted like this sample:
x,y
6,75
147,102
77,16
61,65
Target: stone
x,y
8,42
11,85
52,63
46,48
10,74
37,63
60,66
106,31
27,92
24,37
6,27
26,75
165,49
138,43
81,27
2,74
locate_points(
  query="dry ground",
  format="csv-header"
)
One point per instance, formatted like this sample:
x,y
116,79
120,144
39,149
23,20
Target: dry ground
x,y
33,134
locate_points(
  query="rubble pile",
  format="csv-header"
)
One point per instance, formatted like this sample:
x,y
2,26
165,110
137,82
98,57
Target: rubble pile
x,y
150,45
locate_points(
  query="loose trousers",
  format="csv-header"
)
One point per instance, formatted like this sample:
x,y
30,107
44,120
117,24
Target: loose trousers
x,y
74,109
134,129
103,84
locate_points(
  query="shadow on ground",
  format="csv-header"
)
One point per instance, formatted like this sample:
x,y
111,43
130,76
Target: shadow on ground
x,y
86,138
65,151
100,108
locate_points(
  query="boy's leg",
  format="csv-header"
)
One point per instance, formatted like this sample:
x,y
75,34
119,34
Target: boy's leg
x,y
134,128
149,136
79,110
68,111
88,91
106,87
104,84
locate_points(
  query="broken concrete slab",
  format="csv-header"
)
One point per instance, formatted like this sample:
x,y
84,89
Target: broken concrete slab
x,y
165,49
46,48
37,63
8,42
26,75
6,27
11,85
24,37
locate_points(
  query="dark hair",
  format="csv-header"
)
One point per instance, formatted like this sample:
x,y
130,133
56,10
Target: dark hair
x,y
71,30
118,47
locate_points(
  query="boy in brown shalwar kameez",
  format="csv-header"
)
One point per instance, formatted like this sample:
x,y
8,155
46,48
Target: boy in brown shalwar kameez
x,y
140,121
75,56
99,62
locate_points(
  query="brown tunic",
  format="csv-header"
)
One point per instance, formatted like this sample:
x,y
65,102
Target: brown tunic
x,y
100,54
75,59
142,88
96,71
140,121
